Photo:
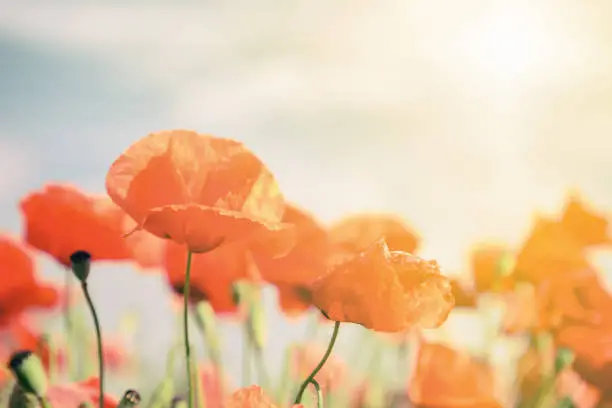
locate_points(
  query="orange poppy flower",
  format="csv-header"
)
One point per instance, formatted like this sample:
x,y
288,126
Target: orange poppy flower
x,y
251,397
447,378
197,190
549,251
72,395
213,274
592,346
463,294
306,261
60,220
293,300
491,268
305,357
386,291
20,290
586,226
357,233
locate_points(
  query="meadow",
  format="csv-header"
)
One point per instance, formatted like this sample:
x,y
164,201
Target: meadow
x,y
208,215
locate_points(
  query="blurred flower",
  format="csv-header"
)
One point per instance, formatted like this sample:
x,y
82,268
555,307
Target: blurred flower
x,y
305,357
587,227
355,234
199,191
570,385
385,291
293,273
294,300
463,294
213,274
492,268
447,378
549,251
592,346
251,397
19,288
60,220
213,386
72,395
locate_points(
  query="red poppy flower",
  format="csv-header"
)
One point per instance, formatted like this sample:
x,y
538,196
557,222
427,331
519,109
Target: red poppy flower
x,y
356,234
586,226
294,300
446,378
60,220
549,251
213,274
20,290
197,190
251,397
386,291
72,395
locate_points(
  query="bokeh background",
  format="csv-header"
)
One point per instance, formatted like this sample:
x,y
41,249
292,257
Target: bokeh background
x,y
465,117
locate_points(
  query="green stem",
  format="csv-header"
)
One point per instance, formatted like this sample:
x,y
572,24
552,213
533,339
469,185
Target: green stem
x,y
44,402
68,327
317,388
186,330
298,398
99,341
261,368
246,360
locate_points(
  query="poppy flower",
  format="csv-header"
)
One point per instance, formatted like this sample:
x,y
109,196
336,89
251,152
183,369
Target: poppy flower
x,y
463,294
387,291
213,274
213,386
549,251
70,395
357,233
252,397
447,378
293,300
592,347
198,190
306,261
580,393
293,273
20,290
586,226
61,220
491,268
305,357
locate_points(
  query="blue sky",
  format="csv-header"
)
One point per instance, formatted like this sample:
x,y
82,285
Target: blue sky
x,y
356,108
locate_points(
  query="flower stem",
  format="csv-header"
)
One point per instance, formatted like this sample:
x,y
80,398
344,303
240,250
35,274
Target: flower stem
x,y
247,347
99,341
186,330
317,388
68,326
298,398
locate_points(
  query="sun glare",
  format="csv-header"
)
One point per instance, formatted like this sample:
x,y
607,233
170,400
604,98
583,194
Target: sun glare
x,y
506,44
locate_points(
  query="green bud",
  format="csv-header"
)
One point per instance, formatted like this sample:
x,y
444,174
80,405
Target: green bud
x,y
257,325
179,402
130,399
565,358
81,264
29,372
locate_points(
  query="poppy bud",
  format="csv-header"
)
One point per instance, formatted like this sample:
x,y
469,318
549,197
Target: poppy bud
x,y
29,372
205,316
257,324
81,264
131,398
564,358
179,402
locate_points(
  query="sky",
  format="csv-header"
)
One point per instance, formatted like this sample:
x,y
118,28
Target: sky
x,y
465,118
